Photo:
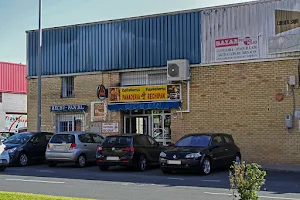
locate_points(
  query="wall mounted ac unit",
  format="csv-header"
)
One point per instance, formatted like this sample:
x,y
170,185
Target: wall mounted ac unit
x,y
178,70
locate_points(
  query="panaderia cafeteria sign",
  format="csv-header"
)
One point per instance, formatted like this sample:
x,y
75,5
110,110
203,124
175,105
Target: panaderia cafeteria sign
x,y
236,48
145,93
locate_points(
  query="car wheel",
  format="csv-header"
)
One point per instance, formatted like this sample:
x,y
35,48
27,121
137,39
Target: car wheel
x,y
52,164
81,161
142,163
103,167
206,166
2,168
23,159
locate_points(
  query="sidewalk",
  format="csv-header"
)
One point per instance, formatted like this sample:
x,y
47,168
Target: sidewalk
x,y
278,167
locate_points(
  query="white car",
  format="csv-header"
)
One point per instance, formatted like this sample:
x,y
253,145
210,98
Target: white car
x,y
4,157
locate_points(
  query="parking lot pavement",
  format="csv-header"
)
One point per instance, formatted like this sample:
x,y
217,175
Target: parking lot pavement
x,y
126,184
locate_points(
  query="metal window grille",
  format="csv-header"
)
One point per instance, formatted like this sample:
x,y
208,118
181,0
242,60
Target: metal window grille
x,y
68,87
0,97
68,123
155,77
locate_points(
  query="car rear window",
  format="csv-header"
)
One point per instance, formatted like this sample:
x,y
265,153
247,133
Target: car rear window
x,y
62,138
117,141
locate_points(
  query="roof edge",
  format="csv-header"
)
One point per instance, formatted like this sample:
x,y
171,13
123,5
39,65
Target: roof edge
x,y
158,14
12,63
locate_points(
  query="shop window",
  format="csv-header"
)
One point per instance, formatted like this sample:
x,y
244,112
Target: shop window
x,y
0,97
67,87
67,123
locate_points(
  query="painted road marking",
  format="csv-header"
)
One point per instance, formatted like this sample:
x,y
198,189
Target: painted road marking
x,y
216,181
264,197
171,178
36,181
45,170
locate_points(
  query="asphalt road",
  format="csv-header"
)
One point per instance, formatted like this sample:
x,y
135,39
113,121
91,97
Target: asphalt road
x,y
122,184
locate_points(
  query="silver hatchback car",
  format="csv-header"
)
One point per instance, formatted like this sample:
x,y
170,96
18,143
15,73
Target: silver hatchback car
x,y
75,147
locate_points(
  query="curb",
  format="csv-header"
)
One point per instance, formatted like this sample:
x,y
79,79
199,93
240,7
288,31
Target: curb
x,y
281,170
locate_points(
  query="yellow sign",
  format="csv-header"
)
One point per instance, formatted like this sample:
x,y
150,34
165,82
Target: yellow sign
x,y
145,93
286,20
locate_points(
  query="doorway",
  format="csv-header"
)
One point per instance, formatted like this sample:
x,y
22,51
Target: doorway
x,y
137,124
156,123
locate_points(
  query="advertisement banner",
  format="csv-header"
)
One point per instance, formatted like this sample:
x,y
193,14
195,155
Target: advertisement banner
x,y
286,20
284,44
236,48
110,127
145,93
14,121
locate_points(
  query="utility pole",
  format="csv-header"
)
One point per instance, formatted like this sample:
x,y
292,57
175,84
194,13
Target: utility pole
x,y
39,71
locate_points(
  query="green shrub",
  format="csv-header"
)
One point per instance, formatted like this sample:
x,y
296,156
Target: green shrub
x,y
246,180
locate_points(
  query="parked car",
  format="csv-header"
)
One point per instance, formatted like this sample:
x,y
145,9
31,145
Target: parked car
x,y
75,147
4,157
27,147
200,152
133,150
5,135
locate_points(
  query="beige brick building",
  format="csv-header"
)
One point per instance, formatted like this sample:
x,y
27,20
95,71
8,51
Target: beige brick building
x,y
239,75
239,99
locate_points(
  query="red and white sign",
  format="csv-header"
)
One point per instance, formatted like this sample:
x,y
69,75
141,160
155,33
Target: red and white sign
x,y
110,127
236,48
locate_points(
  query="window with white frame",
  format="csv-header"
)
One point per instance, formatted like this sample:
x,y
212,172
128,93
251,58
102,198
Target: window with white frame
x,y
67,87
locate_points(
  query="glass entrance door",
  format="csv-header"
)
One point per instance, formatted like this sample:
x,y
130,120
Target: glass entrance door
x,y
137,124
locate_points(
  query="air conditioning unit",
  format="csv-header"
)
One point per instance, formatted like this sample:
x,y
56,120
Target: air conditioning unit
x,y
178,70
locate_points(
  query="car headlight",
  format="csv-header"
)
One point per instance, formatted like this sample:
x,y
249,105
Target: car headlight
x,y
162,154
12,150
193,155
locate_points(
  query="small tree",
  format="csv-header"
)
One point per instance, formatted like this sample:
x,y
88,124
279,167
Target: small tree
x,y
247,180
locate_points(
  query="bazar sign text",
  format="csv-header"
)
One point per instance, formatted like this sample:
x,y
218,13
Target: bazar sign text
x,y
236,48
145,93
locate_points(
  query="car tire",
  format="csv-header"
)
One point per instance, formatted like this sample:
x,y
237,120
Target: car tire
x,y
23,159
52,164
81,161
205,166
142,163
2,169
103,167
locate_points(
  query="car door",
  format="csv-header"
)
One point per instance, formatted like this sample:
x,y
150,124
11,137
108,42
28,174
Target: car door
x,y
229,150
87,146
156,148
37,146
217,150
148,148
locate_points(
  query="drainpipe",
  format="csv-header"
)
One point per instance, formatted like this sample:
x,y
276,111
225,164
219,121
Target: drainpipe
x,y
188,99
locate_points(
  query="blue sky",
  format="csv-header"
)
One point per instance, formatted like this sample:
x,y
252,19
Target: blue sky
x,y
17,16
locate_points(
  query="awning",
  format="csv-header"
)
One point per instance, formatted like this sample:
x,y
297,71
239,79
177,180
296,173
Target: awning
x,y
144,105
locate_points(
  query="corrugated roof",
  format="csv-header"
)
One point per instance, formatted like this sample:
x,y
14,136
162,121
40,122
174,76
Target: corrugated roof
x,y
158,14
13,78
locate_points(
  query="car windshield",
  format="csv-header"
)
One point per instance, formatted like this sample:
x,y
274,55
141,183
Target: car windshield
x,y
194,141
62,138
21,138
117,141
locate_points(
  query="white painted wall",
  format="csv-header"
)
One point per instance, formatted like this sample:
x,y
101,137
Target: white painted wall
x,y
13,103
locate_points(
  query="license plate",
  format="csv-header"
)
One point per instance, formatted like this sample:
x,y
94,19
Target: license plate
x,y
112,158
59,147
174,162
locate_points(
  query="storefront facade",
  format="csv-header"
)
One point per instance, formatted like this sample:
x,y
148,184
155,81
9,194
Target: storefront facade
x,y
13,97
235,79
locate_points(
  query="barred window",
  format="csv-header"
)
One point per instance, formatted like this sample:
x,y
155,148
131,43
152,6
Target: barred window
x,y
67,87
0,97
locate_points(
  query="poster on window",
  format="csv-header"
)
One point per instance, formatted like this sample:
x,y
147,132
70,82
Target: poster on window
x,y
99,111
14,122
110,127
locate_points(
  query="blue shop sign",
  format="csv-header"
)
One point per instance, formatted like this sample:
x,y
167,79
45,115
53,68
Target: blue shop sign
x,y
68,108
